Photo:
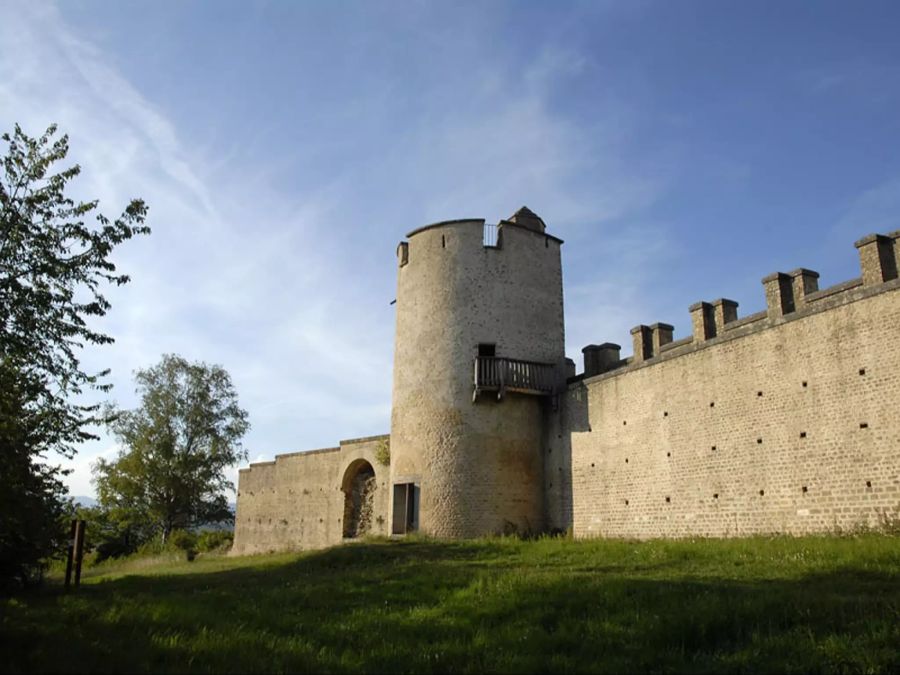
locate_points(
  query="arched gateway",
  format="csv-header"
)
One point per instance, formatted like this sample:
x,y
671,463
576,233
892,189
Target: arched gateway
x,y
358,486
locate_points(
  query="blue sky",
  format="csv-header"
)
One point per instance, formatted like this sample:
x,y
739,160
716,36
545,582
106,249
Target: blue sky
x,y
682,149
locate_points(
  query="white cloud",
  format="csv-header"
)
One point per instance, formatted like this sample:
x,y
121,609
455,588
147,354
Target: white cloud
x,y
289,290
220,279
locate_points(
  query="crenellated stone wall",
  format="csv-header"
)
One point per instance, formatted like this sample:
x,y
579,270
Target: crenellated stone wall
x,y
785,421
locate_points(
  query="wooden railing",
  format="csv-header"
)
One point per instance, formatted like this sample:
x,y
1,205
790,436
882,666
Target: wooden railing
x,y
500,374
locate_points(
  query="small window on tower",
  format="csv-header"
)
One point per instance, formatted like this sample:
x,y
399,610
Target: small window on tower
x,y
487,349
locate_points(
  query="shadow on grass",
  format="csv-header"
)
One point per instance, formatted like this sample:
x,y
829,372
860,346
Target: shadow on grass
x,y
437,607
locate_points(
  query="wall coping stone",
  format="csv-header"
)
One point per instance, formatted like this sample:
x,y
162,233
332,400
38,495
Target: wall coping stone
x,y
256,464
830,298
441,223
315,451
869,238
363,439
605,345
743,321
832,290
677,343
480,222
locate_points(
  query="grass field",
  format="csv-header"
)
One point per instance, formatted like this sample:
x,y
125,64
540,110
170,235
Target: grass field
x,y
493,605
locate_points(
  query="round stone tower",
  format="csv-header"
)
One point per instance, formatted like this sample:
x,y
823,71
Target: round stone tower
x,y
478,360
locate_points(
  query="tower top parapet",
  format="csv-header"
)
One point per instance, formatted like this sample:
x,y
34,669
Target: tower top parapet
x,y
527,218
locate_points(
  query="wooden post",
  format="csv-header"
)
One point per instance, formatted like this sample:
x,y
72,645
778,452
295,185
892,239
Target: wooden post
x,y
79,550
71,553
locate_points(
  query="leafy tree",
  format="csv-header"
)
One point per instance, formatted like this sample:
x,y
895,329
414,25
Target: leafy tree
x,y
53,268
112,533
176,447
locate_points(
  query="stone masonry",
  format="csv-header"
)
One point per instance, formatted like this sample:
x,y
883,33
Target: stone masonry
x,y
299,501
784,421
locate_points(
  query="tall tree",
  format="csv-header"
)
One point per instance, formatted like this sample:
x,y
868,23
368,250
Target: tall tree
x,y
176,447
53,268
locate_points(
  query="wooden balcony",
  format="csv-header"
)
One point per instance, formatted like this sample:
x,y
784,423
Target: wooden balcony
x,y
500,374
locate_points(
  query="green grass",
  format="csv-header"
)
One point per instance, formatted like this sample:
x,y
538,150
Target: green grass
x,y
495,605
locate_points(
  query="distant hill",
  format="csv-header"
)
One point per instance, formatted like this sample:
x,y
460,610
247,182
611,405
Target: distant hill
x,y
88,502
219,526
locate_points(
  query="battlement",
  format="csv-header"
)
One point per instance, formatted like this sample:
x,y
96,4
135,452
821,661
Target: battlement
x,y
789,296
478,233
781,421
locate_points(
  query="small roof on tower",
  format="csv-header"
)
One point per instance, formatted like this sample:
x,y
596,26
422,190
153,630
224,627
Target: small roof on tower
x,y
528,218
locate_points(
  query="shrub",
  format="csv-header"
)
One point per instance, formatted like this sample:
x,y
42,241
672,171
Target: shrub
x,y
383,452
214,540
113,532
183,540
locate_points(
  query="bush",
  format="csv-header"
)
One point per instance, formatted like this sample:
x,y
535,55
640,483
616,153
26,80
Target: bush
x,y
113,532
184,541
383,452
179,542
214,540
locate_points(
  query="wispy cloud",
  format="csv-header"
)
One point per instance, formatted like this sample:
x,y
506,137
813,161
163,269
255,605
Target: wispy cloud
x,y
222,278
288,287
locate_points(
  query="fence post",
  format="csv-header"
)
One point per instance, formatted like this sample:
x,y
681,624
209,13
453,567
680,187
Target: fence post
x,y
79,550
71,552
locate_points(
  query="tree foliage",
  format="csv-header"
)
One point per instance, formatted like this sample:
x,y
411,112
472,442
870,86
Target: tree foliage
x,y
53,269
112,533
176,447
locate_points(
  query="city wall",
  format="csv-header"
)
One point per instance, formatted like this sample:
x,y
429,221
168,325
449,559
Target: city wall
x,y
300,500
785,421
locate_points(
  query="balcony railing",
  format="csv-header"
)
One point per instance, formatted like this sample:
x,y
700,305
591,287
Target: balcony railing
x,y
500,374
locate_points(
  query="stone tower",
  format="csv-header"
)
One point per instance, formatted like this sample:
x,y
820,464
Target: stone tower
x,y
478,361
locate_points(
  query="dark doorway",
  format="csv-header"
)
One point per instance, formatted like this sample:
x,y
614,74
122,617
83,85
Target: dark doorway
x,y
406,508
359,498
487,349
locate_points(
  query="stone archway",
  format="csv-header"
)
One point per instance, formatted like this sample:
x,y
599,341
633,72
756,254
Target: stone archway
x,y
359,498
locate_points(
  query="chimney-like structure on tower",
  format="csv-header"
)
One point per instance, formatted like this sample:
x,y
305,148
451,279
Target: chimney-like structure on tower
x,y
528,218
